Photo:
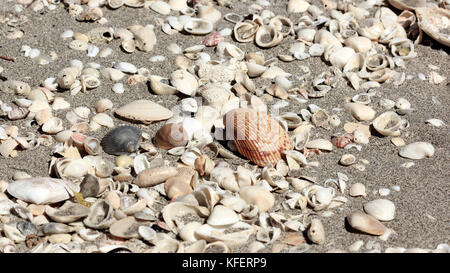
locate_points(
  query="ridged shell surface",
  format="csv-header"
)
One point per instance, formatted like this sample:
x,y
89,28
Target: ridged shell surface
x,y
145,111
257,136
122,140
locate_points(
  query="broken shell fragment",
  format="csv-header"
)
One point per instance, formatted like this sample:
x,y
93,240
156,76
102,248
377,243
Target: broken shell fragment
x,y
184,82
267,36
122,140
67,213
388,124
316,232
257,196
417,150
360,111
357,189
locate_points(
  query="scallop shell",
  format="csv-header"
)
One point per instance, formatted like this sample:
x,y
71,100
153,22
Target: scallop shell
x,y
122,140
144,111
257,136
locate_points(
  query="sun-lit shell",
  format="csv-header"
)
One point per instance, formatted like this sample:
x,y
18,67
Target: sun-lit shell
x,y
100,215
257,136
245,31
417,150
41,190
257,196
145,111
435,23
408,5
366,223
171,135
154,176
67,213
198,26
184,82
388,124
316,232
382,209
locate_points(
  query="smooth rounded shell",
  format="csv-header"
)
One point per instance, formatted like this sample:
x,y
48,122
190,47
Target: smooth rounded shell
x,y
145,111
382,209
257,136
171,135
122,140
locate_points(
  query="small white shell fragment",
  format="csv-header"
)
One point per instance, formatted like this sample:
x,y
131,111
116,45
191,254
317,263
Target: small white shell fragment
x,y
105,52
395,188
356,246
92,50
382,209
316,50
417,150
158,58
435,122
189,105
384,191
34,52
421,76
118,88
67,34
160,7
174,48
126,67
357,189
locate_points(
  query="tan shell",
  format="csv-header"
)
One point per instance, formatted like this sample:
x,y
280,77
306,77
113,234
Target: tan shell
x,y
435,22
145,111
366,223
245,31
407,4
154,176
171,135
69,212
257,136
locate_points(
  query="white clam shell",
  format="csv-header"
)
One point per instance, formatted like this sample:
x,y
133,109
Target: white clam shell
x,y
145,111
41,190
341,56
160,7
417,150
126,67
388,124
360,111
198,26
222,216
382,209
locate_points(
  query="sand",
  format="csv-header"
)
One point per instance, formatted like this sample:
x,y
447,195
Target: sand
x,y
422,214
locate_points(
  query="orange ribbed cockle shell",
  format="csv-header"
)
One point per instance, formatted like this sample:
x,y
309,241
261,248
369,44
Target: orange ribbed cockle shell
x,y
257,136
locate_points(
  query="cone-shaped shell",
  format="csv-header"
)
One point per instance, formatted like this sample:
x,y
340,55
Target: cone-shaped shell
x,y
144,111
257,136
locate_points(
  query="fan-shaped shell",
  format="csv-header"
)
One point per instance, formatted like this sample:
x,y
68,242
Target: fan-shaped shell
x,y
122,140
257,136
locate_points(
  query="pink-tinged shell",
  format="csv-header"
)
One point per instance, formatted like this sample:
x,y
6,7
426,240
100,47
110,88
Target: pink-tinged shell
x,y
213,39
342,141
257,136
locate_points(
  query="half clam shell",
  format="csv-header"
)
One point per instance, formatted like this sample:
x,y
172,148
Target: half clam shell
x,y
145,111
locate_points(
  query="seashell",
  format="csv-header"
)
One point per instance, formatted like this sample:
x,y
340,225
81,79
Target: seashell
x,y
366,223
403,106
360,111
176,210
407,5
245,31
320,143
371,28
144,111
89,82
17,113
104,120
316,232
145,38
357,189
402,48
261,140
100,215
160,7
159,86
154,176
417,150
435,23
177,5
198,26
209,13
104,105
126,228
213,39
78,45
435,122
341,56
359,44
122,140
115,4
125,67
255,70
128,45
53,125
171,135
67,213
234,235
282,24
306,35
222,216
134,3
297,6
267,36
257,196
41,190
216,247
388,124
112,74
326,39
381,209
184,82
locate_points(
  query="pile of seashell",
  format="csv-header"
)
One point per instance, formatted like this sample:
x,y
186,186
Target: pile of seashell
x,y
200,202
